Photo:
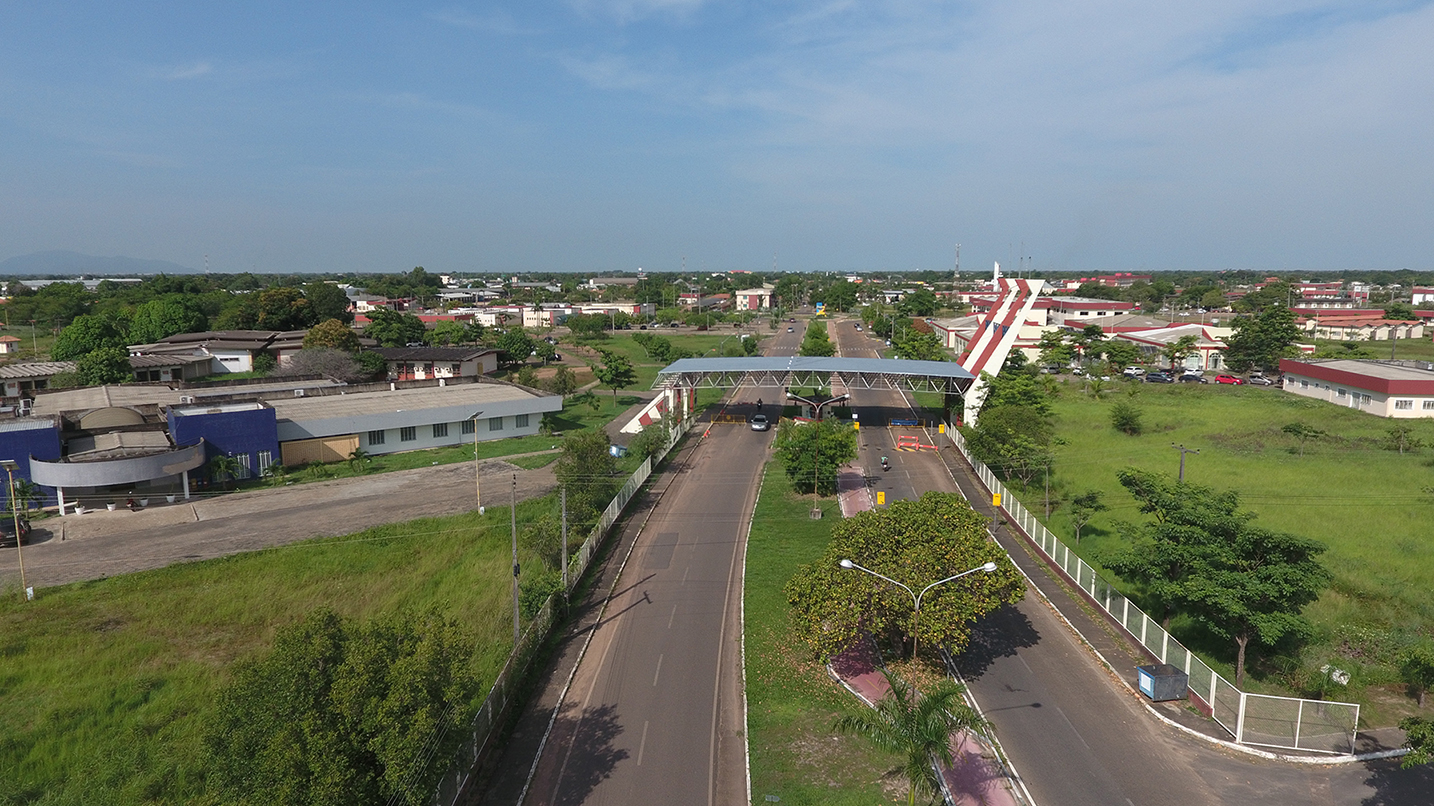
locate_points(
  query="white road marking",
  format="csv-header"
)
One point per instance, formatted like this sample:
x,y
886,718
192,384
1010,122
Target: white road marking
x,y
642,745
671,617
659,669
685,573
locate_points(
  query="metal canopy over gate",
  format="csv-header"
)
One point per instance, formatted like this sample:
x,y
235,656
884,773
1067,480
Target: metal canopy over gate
x,y
798,372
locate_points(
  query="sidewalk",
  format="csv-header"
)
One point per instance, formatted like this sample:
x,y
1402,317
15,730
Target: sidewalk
x,y
975,779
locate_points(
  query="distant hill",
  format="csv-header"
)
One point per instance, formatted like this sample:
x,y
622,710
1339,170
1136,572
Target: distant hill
x,y
63,262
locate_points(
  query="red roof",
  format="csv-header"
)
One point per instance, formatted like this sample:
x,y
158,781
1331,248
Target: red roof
x,y
1358,380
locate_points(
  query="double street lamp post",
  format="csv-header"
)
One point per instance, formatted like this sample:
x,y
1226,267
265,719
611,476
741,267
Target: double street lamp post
x,y
916,597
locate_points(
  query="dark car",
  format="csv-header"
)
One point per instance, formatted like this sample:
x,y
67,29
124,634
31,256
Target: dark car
x,y
7,531
1193,377
1158,377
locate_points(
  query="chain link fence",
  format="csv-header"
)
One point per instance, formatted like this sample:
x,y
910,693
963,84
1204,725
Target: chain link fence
x,y
500,696
1316,726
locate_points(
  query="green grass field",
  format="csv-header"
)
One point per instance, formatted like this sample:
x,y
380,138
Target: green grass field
x,y
699,344
106,684
791,702
1369,505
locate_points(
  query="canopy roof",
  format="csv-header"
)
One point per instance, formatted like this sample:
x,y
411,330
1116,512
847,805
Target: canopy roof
x,y
783,372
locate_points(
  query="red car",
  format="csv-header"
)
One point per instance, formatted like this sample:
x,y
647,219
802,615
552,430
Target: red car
x,y
1229,379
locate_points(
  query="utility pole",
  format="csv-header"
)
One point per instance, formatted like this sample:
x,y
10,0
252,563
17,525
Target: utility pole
x,y
1183,450
565,541
513,514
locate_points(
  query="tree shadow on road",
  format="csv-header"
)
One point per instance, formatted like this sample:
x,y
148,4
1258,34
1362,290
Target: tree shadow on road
x,y
1398,787
998,635
593,755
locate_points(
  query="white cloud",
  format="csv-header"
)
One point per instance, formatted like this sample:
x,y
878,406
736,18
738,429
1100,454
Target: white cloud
x,y
625,11
495,22
186,71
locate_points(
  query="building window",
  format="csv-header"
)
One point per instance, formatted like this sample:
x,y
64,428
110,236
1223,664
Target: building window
x,y
1339,393
1429,405
1404,405
408,433
440,430
469,426
520,421
375,437
243,460
495,424
266,460
456,369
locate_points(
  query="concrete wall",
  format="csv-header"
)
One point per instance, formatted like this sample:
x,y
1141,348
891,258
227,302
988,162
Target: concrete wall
x,y
117,471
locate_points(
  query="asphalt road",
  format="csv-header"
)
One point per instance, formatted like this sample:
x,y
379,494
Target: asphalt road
x,y
1076,736
654,713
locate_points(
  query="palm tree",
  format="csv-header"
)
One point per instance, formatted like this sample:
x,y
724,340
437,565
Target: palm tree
x,y
359,460
225,468
917,726
27,495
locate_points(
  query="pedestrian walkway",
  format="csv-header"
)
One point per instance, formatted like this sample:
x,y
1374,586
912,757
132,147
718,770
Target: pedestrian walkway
x,y
853,493
975,779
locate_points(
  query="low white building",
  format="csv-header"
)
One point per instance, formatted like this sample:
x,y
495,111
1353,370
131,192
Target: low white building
x,y
1207,355
753,299
1400,389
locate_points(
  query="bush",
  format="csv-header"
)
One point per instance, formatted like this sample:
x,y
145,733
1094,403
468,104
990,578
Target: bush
x,y
1127,419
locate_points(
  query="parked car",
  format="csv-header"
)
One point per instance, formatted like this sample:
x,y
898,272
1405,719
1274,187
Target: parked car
x,y
1133,372
1158,377
789,330
1261,380
759,422
1193,377
7,531
1229,379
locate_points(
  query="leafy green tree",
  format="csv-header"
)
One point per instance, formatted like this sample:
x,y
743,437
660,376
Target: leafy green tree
x,y
328,301
1126,419
393,329
545,350
284,308
445,333
514,346
1121,354
339,712
104,366
915,543
333,334
1303,433
815,341
324,361
563,383
1055,350
1083,509
1401,311
1419,738
161,318
1177,351
1014,389
917,346
588,325
916,726
840,295
921,302
1263,340
615,372
87,334
1252,588
1416,666
371,364
813,452
1401,438
589,471
1187,518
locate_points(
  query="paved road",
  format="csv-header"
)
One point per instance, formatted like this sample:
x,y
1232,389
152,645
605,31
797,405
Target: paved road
x,y
1078,737
102,544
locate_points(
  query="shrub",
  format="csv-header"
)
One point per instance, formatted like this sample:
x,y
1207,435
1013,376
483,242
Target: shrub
x,y
1127,419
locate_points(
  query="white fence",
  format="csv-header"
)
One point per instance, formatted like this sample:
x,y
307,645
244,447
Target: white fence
x,y
1316,726
500,696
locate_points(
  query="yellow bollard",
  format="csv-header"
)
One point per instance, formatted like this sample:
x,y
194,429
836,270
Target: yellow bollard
x,y
880,498
941,429
995,499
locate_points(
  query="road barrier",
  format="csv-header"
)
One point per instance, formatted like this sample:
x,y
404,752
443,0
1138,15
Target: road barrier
x,y
501,696
1316,726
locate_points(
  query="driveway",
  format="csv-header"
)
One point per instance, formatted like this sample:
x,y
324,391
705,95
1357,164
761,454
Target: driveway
x,y
74,548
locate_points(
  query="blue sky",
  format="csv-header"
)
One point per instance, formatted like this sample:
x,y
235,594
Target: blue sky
x,y
613,134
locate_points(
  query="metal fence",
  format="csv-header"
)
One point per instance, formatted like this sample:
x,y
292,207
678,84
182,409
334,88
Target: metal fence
x,y
1316,726
500,696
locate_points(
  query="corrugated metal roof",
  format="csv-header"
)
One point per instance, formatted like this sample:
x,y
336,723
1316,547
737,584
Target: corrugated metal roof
x,y
431,353
36,369
389,402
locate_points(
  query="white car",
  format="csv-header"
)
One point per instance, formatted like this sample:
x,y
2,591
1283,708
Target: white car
x,y
759,422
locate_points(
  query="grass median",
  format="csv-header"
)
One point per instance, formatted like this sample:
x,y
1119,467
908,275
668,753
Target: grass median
x,y
107,684
791,701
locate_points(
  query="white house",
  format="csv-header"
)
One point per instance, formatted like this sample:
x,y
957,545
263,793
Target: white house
x,y
1400,389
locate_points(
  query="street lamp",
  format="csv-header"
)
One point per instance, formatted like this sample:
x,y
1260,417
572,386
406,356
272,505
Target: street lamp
x,y
10,468
916,597
477,473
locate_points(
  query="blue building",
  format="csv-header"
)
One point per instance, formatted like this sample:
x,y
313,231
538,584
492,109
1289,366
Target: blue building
x,y
29,437
247,431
